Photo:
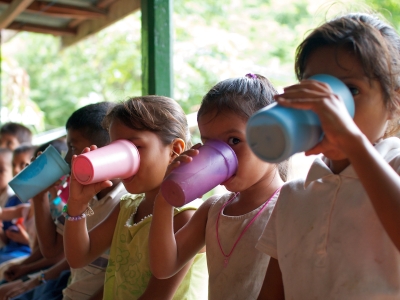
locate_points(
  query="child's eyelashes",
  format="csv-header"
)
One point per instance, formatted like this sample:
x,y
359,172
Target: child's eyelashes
x,y
233,141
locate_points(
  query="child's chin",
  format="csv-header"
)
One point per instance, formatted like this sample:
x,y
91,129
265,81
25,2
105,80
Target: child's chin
x,y
228,181
335,155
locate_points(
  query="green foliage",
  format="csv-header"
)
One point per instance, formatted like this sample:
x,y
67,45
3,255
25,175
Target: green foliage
x,y
104,67
390,9
213,40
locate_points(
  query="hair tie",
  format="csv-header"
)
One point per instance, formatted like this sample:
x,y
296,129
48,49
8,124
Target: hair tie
x,y
251,75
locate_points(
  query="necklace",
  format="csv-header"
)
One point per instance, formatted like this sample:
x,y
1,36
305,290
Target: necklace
x,y
227,256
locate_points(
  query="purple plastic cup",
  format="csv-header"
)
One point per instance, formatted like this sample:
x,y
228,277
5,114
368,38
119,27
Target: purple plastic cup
x,y
120,159
215,163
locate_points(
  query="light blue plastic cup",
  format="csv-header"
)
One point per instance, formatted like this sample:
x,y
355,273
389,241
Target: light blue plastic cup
x,y
275,133
43,172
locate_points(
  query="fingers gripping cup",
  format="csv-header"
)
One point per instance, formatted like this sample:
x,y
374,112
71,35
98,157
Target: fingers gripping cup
x,y
275,133
43,172
215,163
120,159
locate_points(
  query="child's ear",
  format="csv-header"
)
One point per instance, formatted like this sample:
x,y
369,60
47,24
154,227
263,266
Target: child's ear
x,y
177,147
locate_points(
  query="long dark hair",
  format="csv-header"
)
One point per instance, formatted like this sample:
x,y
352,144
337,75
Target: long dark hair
x,y
242,96
374,42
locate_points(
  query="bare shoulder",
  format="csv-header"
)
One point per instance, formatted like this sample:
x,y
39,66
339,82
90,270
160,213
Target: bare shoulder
x,y
195,217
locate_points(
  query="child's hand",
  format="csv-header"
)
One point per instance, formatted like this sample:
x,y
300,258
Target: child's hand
x,y
184,157
43,195
15,271
79,194
338,126
19,236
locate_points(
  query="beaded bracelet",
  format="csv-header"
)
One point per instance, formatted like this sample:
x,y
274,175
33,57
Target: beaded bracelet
x,y
41,278
87,213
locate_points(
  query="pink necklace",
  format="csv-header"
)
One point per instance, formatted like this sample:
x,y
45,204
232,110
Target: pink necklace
x,y
227,256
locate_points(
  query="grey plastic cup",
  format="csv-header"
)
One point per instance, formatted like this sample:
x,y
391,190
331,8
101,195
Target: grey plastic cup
x,y
275,133
44,171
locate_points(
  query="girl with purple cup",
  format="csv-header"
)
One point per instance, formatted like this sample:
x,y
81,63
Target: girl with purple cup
x,y
229,225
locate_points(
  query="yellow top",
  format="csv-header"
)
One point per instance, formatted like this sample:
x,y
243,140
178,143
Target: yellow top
x,y
128,271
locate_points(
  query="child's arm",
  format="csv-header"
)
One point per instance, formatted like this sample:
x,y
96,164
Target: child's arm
x,y
21,236
164,288
342,135
50,241
169,252
272,287
33,263
81,247
14,212
50,274
169,248
381,183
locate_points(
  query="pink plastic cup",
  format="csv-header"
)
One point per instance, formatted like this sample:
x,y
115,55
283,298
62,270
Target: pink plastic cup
x,y
215,163
120,159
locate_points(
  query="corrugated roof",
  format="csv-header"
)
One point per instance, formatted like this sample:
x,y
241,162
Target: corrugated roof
x,y
74,19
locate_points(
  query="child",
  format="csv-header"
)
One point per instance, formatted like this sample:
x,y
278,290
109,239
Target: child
x,y
22,157
228,225
13,134
18,233
158,128
335,234
6,174
84,128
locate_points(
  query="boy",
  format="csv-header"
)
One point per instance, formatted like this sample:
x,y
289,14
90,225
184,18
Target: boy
x,y
13,134
83,129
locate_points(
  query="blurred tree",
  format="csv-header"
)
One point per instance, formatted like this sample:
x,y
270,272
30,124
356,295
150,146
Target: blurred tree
x,y
214,40
104,67
390,9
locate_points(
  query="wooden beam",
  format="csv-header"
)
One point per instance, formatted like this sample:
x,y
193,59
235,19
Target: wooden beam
x,y
42,29
105,3
12,11
116,11
62,11
101,4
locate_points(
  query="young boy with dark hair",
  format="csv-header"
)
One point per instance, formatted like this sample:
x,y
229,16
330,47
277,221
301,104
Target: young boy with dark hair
x,y
83,129
13,134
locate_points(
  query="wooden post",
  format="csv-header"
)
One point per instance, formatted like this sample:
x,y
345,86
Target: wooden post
x,y
157,65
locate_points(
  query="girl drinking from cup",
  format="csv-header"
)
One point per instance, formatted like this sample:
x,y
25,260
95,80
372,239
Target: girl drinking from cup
x,y
335,234
228,225
157,126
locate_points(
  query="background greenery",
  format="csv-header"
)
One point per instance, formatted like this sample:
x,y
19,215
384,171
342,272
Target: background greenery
x,y
213,40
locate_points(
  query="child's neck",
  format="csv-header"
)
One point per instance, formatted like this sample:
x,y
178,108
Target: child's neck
x,y
253,197
338,166
146,206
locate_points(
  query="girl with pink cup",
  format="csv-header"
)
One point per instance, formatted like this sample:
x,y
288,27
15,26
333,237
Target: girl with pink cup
x,y
230,224
157,127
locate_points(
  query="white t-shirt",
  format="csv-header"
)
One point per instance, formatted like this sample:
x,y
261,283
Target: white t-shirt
x,y
328,239
86,281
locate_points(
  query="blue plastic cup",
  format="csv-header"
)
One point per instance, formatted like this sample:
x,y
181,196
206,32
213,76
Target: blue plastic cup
x,y
275,132
43,172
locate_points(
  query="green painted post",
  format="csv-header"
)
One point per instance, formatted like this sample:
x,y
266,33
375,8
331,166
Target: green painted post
x,y
157,65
